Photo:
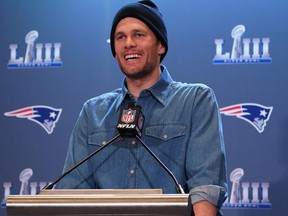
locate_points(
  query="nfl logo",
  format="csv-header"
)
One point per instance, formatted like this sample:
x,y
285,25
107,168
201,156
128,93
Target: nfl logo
x,y
128,116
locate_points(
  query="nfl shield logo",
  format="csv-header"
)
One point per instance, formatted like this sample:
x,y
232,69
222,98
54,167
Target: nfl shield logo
x,y
128,116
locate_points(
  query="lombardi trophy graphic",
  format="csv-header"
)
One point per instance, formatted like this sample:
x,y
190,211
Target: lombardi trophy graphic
x,y
236,34
24,177
235,177
30,40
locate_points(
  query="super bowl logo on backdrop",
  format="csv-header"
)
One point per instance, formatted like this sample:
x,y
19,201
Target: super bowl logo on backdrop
x,y
27,187
36,55
45,116
255,114
246,50
246,194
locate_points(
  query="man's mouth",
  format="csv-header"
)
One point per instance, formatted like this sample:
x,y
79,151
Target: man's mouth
x,y
132,57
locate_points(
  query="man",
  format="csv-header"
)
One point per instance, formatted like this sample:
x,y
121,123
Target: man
x,y
182,122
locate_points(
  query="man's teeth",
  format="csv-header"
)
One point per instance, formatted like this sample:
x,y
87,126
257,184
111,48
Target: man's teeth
x,y
132,56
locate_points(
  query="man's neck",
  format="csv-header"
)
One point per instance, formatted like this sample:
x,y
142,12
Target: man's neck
x,y
135,86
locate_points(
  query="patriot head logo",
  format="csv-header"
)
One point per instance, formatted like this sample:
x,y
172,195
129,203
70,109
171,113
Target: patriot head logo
x,y
255,114
45,116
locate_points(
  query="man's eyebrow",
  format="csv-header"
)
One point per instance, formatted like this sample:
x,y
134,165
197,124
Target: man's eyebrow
x,y
132,31
119,33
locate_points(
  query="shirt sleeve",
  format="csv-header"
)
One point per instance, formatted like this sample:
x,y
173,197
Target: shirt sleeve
x,y
206,159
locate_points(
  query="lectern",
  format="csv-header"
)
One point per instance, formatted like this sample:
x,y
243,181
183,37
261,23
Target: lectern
x,y
98,202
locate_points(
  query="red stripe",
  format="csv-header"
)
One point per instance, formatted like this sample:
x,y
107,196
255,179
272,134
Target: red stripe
x,y
230,108
16,112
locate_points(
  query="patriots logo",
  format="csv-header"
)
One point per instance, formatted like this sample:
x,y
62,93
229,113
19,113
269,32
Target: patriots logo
x,y
45,116
255,114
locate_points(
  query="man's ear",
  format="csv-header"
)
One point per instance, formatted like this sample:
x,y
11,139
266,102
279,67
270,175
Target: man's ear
x,y
161,49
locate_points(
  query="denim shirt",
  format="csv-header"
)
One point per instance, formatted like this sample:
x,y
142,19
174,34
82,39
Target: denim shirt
x,y
182,127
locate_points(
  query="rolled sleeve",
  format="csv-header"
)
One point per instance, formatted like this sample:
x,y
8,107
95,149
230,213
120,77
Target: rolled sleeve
x,y
212,193
206,158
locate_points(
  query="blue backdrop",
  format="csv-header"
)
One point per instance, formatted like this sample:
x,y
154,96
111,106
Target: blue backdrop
x,y
54,55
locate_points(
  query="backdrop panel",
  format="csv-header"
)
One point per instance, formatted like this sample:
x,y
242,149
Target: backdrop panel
x,y
238,48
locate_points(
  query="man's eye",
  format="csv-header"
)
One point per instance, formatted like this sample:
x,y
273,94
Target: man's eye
x,y
120,37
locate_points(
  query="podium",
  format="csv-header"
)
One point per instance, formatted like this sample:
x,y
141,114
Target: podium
x,y
98,202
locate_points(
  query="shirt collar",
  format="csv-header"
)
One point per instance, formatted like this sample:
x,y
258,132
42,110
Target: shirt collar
x,y
159,89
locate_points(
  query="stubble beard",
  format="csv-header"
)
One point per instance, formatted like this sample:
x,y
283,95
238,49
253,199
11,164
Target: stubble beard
x,y
139,73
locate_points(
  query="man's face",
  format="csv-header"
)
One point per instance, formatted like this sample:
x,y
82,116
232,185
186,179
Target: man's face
x,y
137,49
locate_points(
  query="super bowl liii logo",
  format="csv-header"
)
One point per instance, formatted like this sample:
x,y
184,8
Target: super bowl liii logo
x,y
36,55
246,50
246,194
27,187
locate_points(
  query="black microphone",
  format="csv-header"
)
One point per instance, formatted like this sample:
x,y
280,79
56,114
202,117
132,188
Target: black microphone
x,y
130,120
130,123
51,185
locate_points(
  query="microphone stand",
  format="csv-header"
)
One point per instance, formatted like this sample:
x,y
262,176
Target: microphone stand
x,y
51,185
179,189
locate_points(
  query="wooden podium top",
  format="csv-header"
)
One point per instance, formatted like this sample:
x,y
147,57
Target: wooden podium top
x,y
98,202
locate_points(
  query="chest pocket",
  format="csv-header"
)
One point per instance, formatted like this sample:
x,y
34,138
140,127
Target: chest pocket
x,y
100,138
166,132
108,158
168,142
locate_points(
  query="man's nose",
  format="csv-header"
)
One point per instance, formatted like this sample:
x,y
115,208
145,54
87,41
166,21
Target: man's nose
x,y
130,42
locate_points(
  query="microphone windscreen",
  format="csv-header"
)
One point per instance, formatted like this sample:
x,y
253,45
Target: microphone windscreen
x,y
130,121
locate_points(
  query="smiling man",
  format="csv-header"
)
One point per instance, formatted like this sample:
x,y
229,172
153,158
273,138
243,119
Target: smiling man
x,y
182,122
138,53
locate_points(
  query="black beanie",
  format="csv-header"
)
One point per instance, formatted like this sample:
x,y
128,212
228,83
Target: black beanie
x,y
147,12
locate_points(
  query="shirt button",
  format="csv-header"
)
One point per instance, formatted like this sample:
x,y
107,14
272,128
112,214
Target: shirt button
x,y
165,136
104,142
133,142
132,171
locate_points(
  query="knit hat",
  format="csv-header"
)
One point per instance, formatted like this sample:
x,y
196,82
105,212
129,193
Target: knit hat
x,y
147,12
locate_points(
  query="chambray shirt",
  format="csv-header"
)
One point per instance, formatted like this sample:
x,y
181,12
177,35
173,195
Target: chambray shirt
x,y
182,127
